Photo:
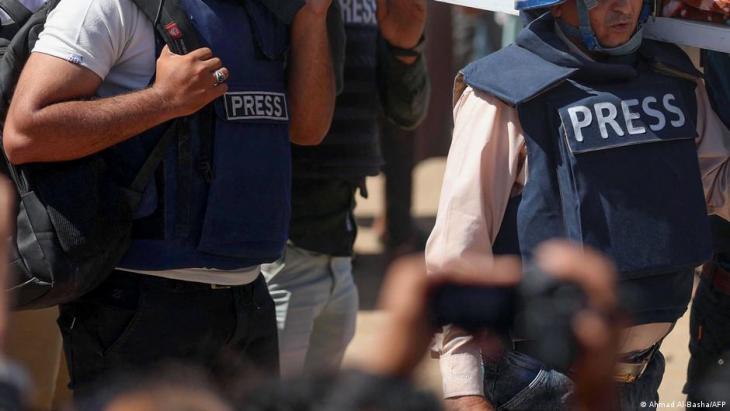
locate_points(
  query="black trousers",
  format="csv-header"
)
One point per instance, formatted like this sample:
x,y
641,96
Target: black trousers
x,y
134,322
708,373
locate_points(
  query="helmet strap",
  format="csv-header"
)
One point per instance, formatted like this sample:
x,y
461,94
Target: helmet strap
x,y
586,34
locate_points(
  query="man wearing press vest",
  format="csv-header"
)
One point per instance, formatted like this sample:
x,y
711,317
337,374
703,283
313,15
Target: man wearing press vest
x,y
581,130
189,288
312,285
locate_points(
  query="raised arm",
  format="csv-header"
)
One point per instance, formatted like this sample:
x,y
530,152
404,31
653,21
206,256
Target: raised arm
x,y
404,85
311,75
54,116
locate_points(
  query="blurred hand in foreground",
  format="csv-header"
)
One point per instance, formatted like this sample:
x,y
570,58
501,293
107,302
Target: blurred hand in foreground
x,y
408,330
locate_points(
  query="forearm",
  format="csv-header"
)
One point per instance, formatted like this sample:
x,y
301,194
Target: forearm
x,y
311,79
75,129
405,88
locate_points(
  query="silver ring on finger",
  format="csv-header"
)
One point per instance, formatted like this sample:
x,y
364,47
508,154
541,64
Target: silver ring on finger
x,y
220,76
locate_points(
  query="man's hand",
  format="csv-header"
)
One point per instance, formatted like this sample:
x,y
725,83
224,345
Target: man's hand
x,y
596,331
402,22
408,332
186,83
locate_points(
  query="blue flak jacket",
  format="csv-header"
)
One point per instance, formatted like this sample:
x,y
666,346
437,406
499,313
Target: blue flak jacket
x,y
612,158
351,150
240,216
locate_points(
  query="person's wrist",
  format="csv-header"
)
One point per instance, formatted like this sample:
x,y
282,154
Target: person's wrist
x,y
309,23
313,14
168,109
405,44
410,54
407,55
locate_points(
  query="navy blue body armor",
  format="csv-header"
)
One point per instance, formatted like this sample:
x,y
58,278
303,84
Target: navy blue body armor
x,y
236,214
612,157
351,149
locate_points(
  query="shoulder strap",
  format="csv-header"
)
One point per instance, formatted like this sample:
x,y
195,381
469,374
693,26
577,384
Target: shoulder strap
x,y
16,10
156,155
670,59
172,23
174,27
514,74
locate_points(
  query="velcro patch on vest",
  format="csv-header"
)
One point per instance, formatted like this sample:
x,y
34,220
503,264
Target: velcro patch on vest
x,y
606,120
256,105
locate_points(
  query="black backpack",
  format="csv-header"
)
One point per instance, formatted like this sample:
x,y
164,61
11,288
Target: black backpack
x,y
74,220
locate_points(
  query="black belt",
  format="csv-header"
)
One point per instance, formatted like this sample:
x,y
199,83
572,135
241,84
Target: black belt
x,y
629,368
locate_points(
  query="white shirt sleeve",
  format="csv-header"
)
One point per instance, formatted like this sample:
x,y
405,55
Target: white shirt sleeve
x,y
90,33
484,166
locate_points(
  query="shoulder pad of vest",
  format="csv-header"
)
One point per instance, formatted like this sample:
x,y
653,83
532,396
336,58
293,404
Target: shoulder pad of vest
x,y
514,74
670,58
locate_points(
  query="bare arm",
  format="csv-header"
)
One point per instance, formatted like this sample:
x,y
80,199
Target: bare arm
x,y
7,213
53,117
311,75
403,81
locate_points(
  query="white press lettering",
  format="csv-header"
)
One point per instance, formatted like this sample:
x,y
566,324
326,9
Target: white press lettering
x,y
652,112
368,11
346,10
269,107
255,105
606,113
580,124
248,106
259,105
630,116
236,104
357,12
679,122
278,109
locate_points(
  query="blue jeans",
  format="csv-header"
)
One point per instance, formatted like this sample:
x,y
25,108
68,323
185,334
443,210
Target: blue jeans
x,y
709,345
519,382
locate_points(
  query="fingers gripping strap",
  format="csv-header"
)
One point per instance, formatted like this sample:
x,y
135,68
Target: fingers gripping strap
x,y
173,26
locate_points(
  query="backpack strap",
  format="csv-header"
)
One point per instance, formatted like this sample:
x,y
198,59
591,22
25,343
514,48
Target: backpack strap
x,y
153,160
174,27
172,23
16,10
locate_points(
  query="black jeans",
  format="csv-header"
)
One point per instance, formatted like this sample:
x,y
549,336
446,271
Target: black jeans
x,y
708,373
134,322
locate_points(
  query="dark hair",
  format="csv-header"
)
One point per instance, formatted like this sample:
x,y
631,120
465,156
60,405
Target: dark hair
x,y
346,391
166,379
